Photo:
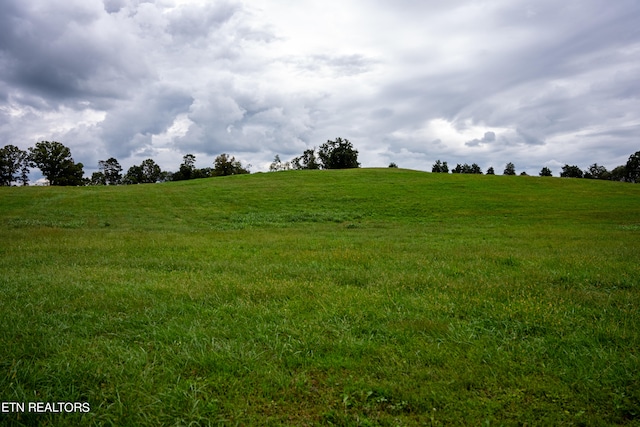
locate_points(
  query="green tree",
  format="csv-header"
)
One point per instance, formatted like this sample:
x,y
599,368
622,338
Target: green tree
x,y
632,168
111,170
148,172
338,154
187,168
597,172
14,165
491,171
393,165
56,163
440,167
545,171
571,172
509,169
473,169
133,175
224,165
151,172
618,173
98,178
308,160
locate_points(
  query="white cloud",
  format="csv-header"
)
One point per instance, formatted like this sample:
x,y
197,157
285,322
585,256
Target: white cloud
x,y
405,81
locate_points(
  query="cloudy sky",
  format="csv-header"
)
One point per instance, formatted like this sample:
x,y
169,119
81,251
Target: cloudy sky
x,y
537,83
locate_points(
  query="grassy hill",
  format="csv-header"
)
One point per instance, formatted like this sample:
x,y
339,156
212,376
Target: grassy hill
x,y
355,297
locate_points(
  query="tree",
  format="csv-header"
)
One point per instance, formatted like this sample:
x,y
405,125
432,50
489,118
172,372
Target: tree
x,y
56,163
150,172
338,154
490,171
14,165
597,172
509,169
632,168
545,171
393,165
440,167
473,169
277,165
98,178
111,171
618,173
308,160
133,175
187,168
224,165
571,172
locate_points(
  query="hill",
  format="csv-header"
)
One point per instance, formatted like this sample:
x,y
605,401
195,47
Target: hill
x,y
365,296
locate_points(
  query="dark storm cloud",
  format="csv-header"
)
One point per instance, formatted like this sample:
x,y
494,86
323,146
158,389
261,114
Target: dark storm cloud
x,y
64,52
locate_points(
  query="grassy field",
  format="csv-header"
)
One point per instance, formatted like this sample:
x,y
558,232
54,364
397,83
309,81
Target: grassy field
x,y
356,297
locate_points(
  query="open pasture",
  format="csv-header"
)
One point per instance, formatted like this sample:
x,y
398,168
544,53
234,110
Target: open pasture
x,y
354,297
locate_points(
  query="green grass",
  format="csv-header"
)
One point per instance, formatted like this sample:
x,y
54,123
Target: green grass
x,y
356,297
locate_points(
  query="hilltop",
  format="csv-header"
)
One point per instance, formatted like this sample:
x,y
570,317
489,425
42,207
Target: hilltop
x,y
290,197
348,297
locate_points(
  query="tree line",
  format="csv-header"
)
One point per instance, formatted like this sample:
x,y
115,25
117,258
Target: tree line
x,y
630,172
57,165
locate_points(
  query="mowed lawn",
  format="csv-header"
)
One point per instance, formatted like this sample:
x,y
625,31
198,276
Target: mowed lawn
x,y
355,297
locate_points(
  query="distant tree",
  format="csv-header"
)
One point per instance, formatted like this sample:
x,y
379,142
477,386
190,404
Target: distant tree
x,y
475,169
619,173
490,171
571,172
111,170
545,171
632,168
523,173
338,154
596,172
97,178
509,169
56,163
308,160
150,172
14,165
224,165
133,175
277,165
440,167
393,165
187,168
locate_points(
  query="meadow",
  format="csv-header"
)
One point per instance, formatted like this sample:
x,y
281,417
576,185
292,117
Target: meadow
x,y
354,297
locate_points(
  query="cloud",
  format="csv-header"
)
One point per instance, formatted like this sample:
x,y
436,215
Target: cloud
x,y
487,138
408,82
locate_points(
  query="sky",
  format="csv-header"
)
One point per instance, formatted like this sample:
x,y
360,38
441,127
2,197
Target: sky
x,y
536,83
